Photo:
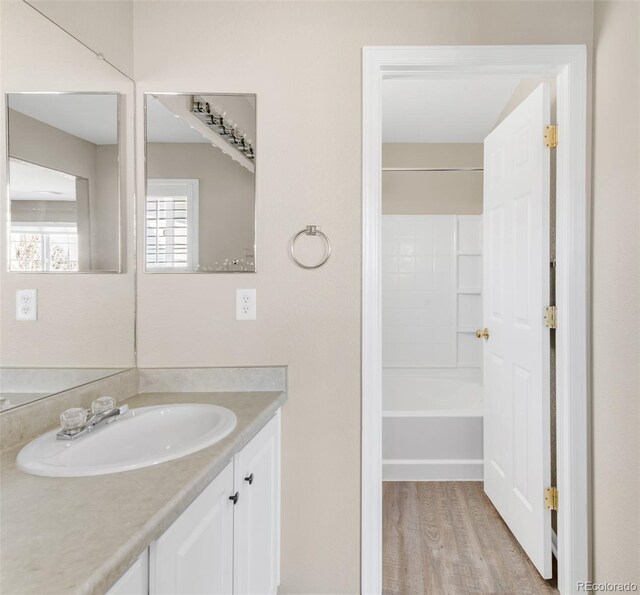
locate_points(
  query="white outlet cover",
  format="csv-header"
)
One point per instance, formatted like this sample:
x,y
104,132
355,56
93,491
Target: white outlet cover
x,y
245,304
27,304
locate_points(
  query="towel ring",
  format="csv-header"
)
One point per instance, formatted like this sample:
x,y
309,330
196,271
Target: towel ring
x,y
310,230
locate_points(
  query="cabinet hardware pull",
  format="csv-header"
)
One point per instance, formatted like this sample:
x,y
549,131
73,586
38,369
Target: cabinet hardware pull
x,y
249,478
234,498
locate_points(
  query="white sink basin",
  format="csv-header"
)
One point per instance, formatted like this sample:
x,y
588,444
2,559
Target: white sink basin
x,y
140,438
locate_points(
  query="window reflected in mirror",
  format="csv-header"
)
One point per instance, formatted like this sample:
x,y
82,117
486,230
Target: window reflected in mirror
x,y
64,193
44,218
199,211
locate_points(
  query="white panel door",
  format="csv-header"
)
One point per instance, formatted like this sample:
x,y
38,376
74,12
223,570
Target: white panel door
x,y
516,354
195,555
257,514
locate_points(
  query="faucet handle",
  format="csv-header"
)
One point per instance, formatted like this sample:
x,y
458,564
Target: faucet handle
x,y
102,404
73,419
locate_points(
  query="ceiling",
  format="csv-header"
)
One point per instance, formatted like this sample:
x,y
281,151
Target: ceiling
x,y
443,111
33,182
163,126
92,117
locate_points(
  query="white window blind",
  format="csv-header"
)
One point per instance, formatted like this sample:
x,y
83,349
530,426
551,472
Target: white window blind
x,y
171,225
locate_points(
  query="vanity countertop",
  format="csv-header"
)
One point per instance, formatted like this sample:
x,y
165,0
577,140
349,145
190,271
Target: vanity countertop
x,y
79,535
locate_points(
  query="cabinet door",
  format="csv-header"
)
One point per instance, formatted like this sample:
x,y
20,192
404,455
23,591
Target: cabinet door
x,y
195,555
257,514
136,580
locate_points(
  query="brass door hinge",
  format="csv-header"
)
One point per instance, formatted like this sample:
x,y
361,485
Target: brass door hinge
x,y
551,136
551,498
551,317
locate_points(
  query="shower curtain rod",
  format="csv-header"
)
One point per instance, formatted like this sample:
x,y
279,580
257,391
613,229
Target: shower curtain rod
x,y
432,169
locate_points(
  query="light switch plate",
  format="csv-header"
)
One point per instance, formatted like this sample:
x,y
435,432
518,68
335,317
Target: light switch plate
x,y
245,304
27,304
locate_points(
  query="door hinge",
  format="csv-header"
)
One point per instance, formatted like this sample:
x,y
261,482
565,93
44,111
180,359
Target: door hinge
x,y
551,136
551,317
551,498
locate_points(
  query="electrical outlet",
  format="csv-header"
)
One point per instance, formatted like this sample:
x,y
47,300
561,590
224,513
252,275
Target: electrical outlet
x,y
27,304
245,304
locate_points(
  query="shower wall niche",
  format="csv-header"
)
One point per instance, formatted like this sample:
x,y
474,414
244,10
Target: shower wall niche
x,y
432,292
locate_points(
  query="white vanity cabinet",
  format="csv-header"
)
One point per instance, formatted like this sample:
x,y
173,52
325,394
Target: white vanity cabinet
x,y
227,540
195,554
136,580
257,520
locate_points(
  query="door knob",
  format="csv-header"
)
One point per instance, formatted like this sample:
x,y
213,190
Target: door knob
x,y
249,478
482,333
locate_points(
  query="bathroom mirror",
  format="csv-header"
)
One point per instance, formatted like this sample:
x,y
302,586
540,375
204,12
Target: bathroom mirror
x,y
19,386
64,190
199,208
67,211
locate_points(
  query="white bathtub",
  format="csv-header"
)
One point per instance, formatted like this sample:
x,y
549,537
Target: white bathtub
x,y
413,394
431,426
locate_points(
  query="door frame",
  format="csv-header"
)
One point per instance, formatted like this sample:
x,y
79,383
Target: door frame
x,y
568,65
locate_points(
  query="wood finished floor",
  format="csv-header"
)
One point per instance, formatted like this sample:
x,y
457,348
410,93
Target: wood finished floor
x,y
446,538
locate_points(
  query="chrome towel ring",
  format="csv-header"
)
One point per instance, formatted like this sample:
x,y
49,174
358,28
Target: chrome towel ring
x,y
310,230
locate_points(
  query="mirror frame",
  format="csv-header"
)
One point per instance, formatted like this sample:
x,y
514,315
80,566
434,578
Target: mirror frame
x,y
143,234
119,184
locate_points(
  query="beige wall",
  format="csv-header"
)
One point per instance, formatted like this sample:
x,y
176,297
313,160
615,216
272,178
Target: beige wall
x,y
226,204
72,328
303,59
36,142
431,192
106,26
616,292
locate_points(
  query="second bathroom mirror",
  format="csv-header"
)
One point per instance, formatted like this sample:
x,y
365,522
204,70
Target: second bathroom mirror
x,y
199,210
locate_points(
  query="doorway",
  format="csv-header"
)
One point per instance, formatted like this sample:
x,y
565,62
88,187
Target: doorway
x,y
395,67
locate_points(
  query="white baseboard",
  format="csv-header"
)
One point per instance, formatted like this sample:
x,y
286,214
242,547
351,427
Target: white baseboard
x,y
432,469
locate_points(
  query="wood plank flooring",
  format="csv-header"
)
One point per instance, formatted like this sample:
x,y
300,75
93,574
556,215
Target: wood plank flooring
x,y
446,538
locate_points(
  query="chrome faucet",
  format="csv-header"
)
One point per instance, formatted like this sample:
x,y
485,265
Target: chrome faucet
x,y
77,422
